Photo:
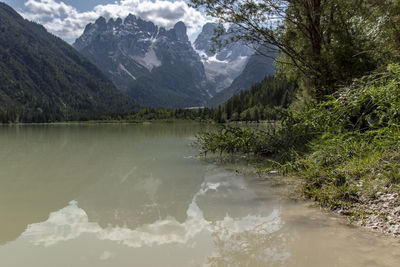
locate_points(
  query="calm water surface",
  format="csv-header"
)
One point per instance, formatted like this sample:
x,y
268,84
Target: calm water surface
x,y
135,195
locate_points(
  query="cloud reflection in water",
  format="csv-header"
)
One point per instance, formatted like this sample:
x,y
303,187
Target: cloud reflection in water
x,y
233,238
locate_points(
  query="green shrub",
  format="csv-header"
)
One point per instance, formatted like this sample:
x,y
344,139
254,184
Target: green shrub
x,y
345,147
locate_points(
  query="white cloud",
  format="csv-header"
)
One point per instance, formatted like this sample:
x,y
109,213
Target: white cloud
x,y
48,8
67,22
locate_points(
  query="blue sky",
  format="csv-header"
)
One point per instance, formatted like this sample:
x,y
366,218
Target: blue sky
x,y
68,18
81,5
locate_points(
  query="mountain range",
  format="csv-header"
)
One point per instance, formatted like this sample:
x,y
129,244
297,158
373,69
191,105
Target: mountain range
x,y
42,78
115,66
157,67
161,68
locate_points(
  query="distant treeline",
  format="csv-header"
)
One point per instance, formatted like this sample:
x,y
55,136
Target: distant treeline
x,y
262,102
46,116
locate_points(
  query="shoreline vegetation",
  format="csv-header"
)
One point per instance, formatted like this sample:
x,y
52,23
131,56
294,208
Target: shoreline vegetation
x,y
345,150
340,134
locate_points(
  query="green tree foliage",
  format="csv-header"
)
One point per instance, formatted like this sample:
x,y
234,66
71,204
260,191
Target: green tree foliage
x,y
322,44
229,139
368,110
167,115
159,114
260,102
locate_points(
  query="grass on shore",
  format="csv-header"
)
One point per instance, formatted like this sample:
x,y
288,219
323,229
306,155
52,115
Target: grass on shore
x,y
345,149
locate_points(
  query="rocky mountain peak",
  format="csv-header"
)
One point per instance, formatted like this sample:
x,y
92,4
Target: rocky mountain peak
x,y
222,65
160,67
203,42
208,28
101,21
180,31
142,58
130,18
110,22
118,22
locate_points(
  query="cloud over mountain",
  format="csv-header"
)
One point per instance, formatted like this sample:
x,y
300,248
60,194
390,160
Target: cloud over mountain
x,y
68,22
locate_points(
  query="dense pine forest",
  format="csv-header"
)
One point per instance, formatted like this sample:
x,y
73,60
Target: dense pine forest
x,y
261,102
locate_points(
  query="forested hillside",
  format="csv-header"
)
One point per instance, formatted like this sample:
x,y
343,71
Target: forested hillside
x,y
43,79
258,103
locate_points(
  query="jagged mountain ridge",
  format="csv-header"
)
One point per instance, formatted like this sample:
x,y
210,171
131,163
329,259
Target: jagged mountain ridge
x,y
157,67
161,68
42,78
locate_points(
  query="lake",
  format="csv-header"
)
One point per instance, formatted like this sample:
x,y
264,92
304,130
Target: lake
x,y
137,195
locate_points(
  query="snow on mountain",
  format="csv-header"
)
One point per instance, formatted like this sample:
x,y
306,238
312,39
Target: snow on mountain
x,y
158,67
222,66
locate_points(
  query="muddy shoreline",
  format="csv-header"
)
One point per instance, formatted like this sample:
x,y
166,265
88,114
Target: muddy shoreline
x,y
380,214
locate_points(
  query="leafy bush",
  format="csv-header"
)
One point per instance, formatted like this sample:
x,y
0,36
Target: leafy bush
x,y
229,139
345,147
